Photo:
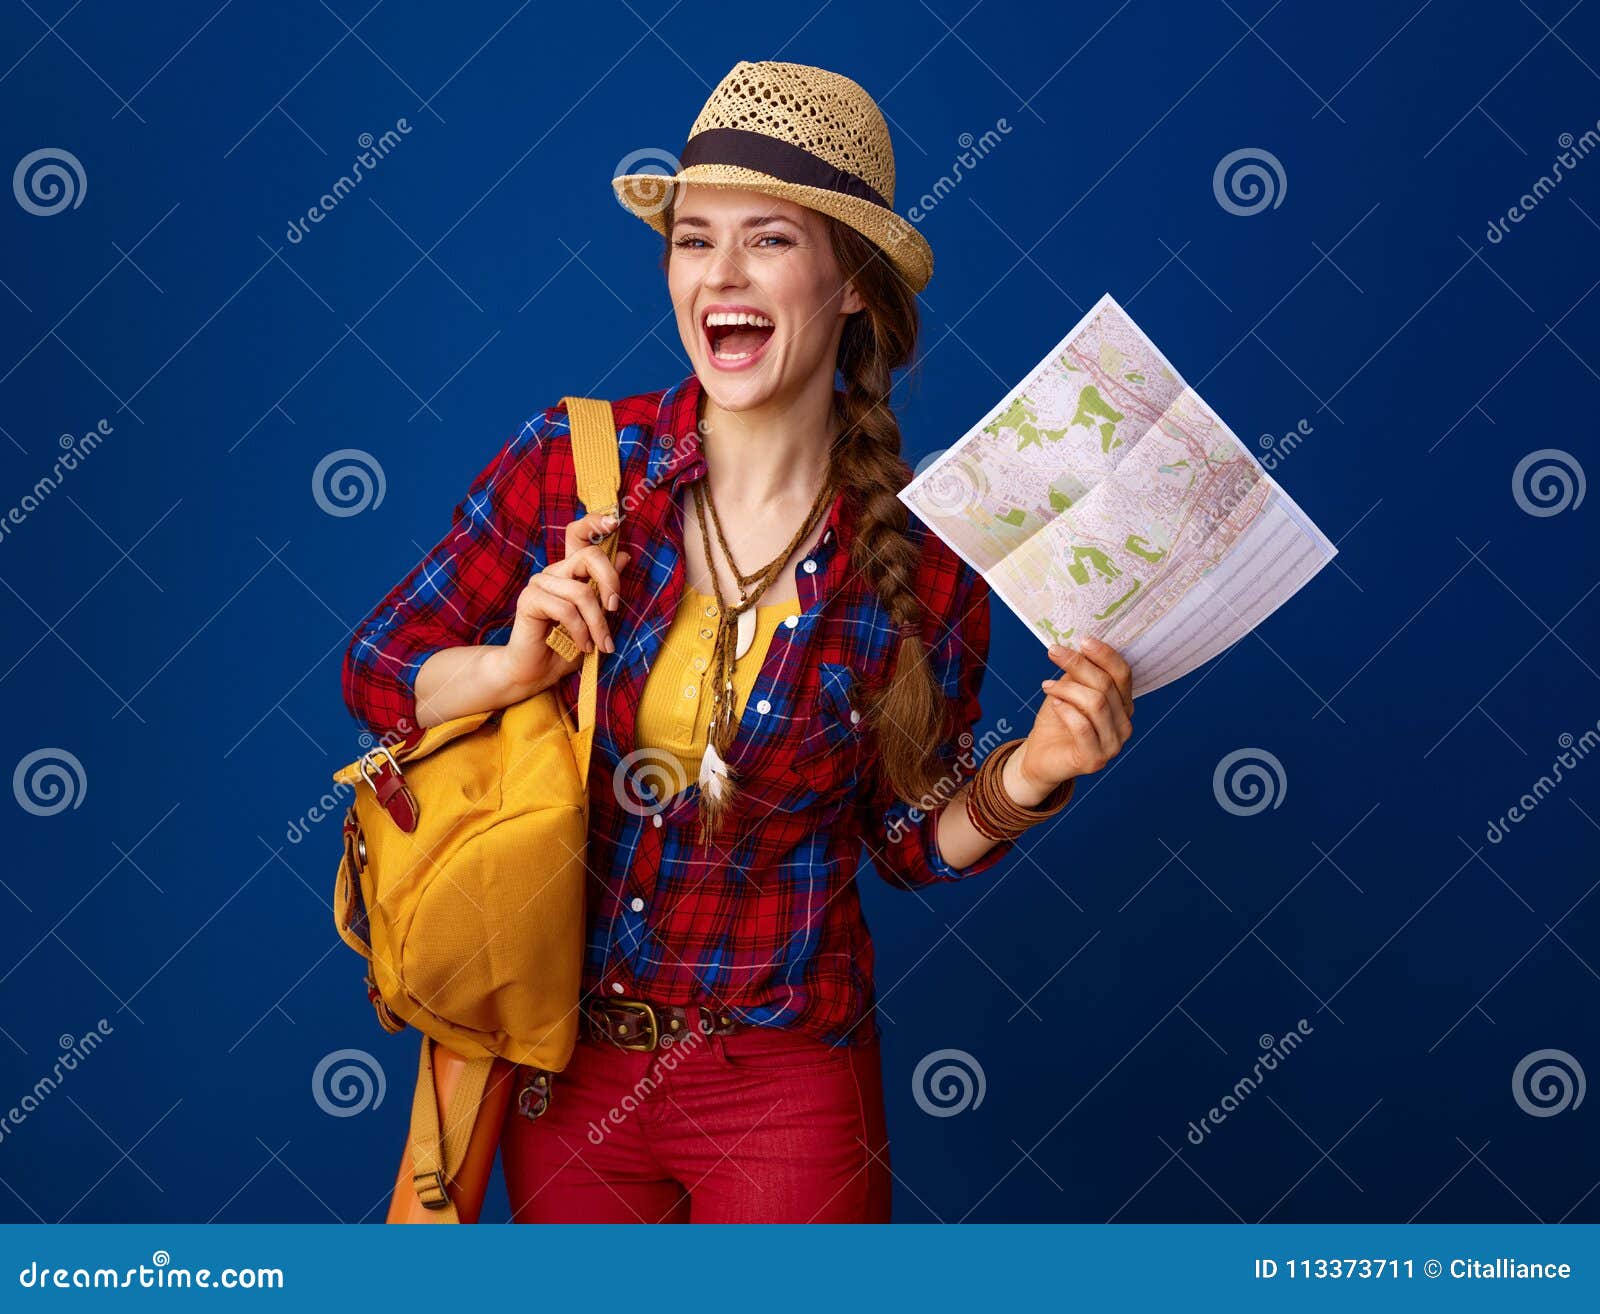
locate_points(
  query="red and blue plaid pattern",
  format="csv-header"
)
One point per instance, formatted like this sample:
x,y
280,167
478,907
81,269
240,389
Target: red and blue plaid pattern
x,y
765,923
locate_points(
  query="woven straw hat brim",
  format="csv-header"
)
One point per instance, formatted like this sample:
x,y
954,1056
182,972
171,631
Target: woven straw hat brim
x,y
646,195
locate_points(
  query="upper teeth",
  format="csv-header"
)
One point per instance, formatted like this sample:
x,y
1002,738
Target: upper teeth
x,y
738,317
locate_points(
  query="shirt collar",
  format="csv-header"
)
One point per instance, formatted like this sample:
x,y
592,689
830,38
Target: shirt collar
x,y
676,457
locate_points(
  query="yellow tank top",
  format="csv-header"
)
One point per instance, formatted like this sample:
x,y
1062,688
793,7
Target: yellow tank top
x,y
675,705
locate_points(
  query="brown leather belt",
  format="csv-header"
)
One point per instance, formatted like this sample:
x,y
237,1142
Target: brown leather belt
x,y
635,1024
632,1024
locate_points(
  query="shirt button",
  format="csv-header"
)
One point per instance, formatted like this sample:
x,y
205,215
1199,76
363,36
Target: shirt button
x,y
705,634
616,987
809,566
763,707
791,621
637,905
688,691
655,820
855,716
711,611
828,537
699,663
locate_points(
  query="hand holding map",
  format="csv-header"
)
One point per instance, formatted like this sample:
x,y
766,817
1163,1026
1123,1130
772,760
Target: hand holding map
x,y
1103,498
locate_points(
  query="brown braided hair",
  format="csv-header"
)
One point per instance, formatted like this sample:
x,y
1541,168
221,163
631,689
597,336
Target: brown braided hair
x,y
909,714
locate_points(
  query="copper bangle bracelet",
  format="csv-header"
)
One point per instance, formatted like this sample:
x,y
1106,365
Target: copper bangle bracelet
x,y
994,813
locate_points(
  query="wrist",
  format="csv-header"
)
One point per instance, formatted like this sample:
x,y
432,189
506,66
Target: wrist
x,y
1024,790
501,685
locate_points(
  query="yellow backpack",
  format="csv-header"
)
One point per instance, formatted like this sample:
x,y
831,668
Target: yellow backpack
x,y
462,878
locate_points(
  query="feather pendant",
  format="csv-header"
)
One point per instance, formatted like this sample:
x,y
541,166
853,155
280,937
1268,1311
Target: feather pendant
x,y
714,775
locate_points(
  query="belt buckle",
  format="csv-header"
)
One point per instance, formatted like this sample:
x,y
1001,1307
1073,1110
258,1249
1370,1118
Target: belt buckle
x,y
640,1009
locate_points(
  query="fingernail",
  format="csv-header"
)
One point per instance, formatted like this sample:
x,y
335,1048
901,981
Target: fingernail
x,y
613,602
608,521
610,647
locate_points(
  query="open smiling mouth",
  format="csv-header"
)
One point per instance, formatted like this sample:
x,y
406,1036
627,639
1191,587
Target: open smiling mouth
x,y
737,337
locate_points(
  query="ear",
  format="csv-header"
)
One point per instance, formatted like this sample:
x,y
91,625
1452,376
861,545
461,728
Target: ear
x,y
853,300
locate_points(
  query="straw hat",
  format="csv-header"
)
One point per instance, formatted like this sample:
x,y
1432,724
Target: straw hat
x,y
801,133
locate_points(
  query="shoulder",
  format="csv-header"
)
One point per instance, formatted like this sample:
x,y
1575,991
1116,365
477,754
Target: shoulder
x,y
544,442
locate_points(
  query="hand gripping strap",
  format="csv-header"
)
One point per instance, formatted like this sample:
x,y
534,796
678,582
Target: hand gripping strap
x,y
599,473
437,1154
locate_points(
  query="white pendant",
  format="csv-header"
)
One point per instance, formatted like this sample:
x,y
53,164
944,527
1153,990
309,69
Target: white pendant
x,y
747,632
713,776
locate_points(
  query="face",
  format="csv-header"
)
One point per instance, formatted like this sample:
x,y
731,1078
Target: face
x,y
759,295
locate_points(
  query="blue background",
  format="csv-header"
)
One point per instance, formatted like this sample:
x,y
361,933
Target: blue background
x,y
176,610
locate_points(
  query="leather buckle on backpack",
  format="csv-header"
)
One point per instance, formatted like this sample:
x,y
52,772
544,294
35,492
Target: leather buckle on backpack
x,y
380,769
534,1097
430,1189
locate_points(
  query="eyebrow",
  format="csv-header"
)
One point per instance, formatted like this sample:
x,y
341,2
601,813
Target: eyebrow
x,y
751,221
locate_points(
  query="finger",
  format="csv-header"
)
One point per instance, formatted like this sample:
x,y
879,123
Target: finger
x,y
1093,704
1080,667
585,622
1111,661
1080,726
580,533
593,563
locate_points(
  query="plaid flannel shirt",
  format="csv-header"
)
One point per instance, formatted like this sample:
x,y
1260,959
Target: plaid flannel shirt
x,y
767,922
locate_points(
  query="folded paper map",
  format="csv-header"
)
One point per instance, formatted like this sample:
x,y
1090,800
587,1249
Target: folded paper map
x,y
1103,498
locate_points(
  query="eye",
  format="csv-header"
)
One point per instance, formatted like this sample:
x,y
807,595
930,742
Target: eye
x,y
689,241
779,238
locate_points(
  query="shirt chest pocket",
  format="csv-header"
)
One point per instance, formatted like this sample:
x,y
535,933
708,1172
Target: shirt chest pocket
x,y
833,749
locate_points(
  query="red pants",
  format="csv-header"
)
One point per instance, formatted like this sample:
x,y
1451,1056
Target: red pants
x,y
762,1126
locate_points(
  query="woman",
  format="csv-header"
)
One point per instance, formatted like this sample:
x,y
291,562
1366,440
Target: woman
x,y
788,666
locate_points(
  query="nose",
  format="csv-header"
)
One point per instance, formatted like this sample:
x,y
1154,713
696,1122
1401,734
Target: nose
x,y
726,268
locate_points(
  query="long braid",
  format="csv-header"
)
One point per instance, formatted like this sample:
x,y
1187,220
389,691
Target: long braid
x,y
909,714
